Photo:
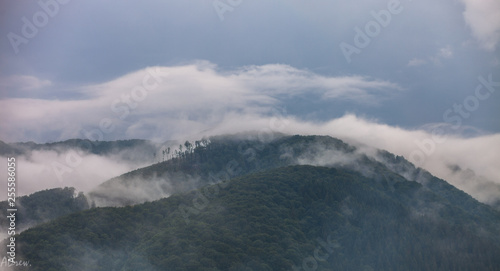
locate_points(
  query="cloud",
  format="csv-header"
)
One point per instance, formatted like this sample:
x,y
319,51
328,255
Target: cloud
x,y
128,191
483,17
170,100
44,169
287,80
445,52
16,83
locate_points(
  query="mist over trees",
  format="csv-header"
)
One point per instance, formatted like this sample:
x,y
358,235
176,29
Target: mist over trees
x,y
43,206
287,203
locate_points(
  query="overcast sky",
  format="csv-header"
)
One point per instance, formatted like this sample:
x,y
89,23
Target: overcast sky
x,y
64,64
418,78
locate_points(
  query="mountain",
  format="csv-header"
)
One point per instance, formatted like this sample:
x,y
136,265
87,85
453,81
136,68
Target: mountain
x,y
223,157
129,148
213,160
302,216
288,203
7,149
42,206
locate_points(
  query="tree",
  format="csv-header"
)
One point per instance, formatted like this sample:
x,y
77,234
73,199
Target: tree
x,y
188,146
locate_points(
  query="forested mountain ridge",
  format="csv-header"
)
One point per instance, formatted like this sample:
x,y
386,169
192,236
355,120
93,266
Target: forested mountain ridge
x,y
43,206
289,218
80,145
220,158
285,203
215,159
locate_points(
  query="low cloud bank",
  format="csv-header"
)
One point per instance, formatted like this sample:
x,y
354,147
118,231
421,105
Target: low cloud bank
x,y
44,169
469,163
170,102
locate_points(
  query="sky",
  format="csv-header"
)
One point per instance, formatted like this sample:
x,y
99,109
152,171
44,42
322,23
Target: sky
x,y
399,75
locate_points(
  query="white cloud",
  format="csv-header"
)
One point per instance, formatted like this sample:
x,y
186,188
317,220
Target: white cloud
x,y
483,17
445,52
284,79
16,83
190,96
66,168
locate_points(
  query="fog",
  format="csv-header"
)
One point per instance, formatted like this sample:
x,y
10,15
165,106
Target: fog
x,y
44,169
129,191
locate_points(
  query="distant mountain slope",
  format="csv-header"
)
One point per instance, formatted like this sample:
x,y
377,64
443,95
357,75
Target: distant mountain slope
x,y
7,149
43,206
85,145
287,218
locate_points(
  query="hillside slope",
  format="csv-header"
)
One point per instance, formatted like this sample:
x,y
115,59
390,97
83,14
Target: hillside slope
x,y
222,158
289,218
42,206
127,147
